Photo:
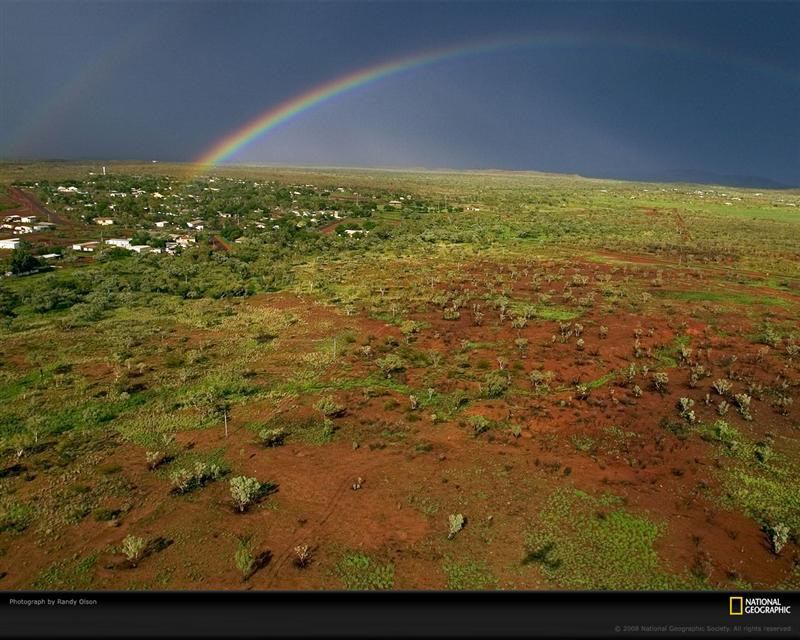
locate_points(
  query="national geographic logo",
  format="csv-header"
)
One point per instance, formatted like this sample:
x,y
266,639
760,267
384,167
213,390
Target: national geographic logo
x,y
739,606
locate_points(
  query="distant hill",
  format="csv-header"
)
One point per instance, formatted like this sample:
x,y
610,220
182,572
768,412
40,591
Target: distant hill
x,y
709,177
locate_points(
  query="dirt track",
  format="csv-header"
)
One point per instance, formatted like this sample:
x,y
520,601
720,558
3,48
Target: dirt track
x,y
29,204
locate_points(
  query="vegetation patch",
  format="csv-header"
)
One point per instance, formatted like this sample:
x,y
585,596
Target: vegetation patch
x,y
581,541
468,575
360,572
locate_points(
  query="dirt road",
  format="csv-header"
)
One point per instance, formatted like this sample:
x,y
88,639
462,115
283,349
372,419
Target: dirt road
x,y
29,203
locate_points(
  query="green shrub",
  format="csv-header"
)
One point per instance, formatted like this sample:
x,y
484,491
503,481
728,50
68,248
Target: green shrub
x,y
390,364
185,480
456,522
685,409
541,380
133,548
479,424
659,380
245,491
724,433
244,559
778,536
495,384
329,408
743,405
721,386
272,437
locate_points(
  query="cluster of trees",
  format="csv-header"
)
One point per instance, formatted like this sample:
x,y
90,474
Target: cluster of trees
x,y
23,261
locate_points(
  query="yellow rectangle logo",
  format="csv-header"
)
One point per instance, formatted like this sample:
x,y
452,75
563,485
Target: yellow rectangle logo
x,y
737,605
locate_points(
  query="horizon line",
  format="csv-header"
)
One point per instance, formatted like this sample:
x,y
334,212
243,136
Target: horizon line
x,y
777,185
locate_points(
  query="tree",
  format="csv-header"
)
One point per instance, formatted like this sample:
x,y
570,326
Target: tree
x,y
23,261
215,402
8,300
140,237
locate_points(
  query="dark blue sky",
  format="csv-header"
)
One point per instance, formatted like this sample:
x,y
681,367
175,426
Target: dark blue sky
x,y
716,88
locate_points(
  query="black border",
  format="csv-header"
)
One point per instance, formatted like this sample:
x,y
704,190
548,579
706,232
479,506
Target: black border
x,y
393,614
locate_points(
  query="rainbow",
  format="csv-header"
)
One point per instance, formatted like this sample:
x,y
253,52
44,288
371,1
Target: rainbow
x,y
287,110
282,113
53,110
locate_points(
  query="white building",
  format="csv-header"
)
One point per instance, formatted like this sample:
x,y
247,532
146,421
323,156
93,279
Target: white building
x,y
9,243
104,221
122,243
44,226
85,246
161,224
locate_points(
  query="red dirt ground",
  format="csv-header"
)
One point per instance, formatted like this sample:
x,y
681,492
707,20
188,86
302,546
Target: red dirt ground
x,y
669,478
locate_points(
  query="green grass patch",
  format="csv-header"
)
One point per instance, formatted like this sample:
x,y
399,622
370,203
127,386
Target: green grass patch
x,y
725,297
359,572
67,575
15,517
585,542
468,575
759,481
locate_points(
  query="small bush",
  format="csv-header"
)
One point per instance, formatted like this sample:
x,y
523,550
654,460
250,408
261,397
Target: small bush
x,y
185,480
133,549
743,404
272,437
722,386
778,536
495,384
541,380
302,556
685,409
105,515
456,522
390,364
479,424
329,408
244,559
154,459
725,433
244,491
659,381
